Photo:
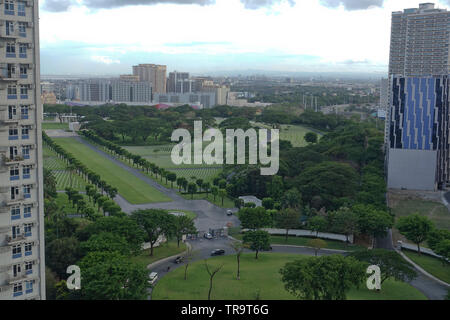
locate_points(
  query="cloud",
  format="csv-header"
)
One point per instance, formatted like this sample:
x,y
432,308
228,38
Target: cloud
x,y
105,60
108,4
64,5
352,4
256,4
58,5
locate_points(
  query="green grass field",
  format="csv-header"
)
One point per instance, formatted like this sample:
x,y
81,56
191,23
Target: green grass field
x,y
134,190
430,264
293,133
261,276
303,241
54,125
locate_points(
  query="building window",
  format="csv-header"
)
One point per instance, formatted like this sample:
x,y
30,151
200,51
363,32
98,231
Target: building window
x,y
28,287
9,7
13,153
12,112
27,211
17,269
23,29
27,230
16,251
26,152
10,50
14,173
28,249
22,50
24,91
15,213
27,191
14,193
21,9
13,134
23,72
17,291
24,112
26,171
12,92
26,132
15,231
28,267
9,28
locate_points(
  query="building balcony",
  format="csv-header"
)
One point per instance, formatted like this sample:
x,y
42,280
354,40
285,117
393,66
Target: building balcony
x,y
19,238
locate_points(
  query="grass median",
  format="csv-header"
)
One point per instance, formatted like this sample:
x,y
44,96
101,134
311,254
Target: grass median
x,y
430,264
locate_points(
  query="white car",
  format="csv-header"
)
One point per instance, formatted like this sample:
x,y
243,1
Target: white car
x,y
153,277
229,213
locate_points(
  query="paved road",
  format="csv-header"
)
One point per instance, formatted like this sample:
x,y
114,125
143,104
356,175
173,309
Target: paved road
x,y
430,288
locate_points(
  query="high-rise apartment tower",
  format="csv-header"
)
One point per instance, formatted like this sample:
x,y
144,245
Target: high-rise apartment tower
x,y
22,259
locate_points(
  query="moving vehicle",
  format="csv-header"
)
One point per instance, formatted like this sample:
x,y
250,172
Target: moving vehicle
x,y
208,236
217,252
153,277
229,213
179,260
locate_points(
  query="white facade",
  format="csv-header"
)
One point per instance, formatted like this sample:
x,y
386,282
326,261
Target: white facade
x,y
22,259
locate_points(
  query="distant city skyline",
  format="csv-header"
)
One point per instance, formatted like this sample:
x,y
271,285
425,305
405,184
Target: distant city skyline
x,y
207,36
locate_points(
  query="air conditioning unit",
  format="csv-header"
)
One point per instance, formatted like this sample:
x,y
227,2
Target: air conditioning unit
x,y
30,24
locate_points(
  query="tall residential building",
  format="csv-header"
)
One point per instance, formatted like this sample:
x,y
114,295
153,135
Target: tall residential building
x,y
22,259
155,74
131,91
179,82
418,117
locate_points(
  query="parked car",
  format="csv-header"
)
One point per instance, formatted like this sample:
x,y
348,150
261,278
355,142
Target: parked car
x,y
229,213
178,260
153,277
217,252
208,236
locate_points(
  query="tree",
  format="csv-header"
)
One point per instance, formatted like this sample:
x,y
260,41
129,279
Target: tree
x,y
107,242
257,241
443,249
238,248
171,177
61,253
111,276
372,221
435,237
199,183
415,228
317,244
153,222
346,222
222,194
183,225
187,259
49,184
311,137
323,278
317,224
287,219
268,203
254,218
215,192
211,277
192,188
206,187
292,199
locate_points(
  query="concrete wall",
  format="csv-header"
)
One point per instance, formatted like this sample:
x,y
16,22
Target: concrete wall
x,y
412,169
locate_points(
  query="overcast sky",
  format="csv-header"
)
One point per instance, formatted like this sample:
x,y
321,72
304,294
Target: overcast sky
x,y
201,36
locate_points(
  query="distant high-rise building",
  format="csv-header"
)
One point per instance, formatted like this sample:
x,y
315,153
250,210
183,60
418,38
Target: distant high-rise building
x,y
155,74
179,82
131,91
22,258
417,122
129,77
